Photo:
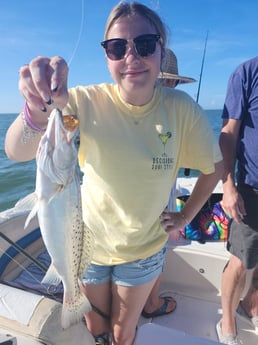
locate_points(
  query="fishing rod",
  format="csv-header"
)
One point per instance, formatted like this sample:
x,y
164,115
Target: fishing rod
x,y
203,59
187,170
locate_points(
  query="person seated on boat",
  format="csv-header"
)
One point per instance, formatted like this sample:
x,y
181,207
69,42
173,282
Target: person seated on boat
x,y
134,138
157,305
238,141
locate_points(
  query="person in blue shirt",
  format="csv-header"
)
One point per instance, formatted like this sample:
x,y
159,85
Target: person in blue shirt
x,y
239,146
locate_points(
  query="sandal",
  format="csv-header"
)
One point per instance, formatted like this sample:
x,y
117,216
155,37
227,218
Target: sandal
x,y
162,310
103,339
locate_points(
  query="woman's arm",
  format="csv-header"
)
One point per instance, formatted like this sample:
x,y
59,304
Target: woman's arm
x,y
202,190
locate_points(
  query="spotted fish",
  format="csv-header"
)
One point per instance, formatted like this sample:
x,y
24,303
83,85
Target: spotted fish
x,y
59,211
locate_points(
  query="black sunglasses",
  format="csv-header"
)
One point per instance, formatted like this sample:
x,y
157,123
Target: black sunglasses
x,y
144,45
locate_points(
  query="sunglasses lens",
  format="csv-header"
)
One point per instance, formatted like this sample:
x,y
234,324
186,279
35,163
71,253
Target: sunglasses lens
x,y
146,45
115,48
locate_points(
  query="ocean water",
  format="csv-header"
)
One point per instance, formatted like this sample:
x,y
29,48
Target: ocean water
x,y
18,179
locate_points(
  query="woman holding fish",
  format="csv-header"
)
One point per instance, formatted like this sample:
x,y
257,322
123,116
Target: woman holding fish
x,y
134,137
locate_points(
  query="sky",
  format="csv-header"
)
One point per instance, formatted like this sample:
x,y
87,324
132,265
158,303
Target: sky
x,y
74,29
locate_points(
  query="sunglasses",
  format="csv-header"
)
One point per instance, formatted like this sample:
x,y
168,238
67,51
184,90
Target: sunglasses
x,y
144,45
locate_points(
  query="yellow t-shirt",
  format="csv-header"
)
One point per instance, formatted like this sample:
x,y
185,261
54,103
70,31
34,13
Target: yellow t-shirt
x,y
130,157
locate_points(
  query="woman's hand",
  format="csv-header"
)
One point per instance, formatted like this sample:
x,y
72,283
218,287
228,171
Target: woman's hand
x,y
172,221
43,83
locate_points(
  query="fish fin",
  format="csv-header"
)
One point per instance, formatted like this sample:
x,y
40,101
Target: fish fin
x,y
73,311
31,215
51,277
59,189
27,203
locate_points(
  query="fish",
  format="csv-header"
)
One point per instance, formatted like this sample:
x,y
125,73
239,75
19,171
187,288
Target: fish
x,y
58,207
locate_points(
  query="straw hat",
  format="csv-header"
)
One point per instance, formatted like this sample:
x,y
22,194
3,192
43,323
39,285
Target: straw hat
x,y
169,69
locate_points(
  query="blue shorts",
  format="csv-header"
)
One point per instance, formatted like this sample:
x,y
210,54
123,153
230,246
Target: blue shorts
x,y
134,273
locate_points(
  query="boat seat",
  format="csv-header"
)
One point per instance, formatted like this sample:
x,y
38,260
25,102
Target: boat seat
x,y
153,334
30,279
25,314
11,252
7,339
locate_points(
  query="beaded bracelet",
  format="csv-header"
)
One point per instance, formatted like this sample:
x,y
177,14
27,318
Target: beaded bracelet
x,y
27,117
30,130
28,134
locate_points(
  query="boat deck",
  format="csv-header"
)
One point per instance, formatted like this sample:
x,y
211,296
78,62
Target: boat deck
x,y
193,316
198,306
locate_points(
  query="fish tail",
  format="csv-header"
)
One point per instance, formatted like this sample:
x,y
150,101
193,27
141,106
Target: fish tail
x,y
73,311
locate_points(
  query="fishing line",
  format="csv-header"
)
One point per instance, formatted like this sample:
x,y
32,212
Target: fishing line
x,y
23,268
79,34
20,265
36,262
19,249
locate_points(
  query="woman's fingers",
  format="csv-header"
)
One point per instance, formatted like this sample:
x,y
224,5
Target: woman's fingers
x,y
44,82
59,73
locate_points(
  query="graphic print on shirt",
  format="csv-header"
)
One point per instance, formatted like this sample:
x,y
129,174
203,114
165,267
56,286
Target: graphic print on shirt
x,y
164,138
163,161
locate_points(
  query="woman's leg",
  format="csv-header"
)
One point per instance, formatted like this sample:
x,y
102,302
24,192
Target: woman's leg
x,y
154,301
100,297
128,302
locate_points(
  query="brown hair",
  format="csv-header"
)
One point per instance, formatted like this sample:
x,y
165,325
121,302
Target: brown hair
x,y
123,9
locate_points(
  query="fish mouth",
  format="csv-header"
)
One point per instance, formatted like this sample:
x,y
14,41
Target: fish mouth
x,y
70,122
62,127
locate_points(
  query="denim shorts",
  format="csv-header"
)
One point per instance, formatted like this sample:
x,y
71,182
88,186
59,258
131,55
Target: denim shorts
x,y
133,273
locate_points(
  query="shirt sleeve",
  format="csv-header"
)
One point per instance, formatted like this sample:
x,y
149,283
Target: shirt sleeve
x,y
202,150
236,96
